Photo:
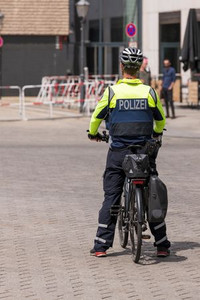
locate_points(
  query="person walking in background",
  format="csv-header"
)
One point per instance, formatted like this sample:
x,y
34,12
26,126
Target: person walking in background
x,y
144,73
169,77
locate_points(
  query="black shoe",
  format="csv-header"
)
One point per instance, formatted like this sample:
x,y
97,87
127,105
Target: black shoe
x,y
93,252
163,252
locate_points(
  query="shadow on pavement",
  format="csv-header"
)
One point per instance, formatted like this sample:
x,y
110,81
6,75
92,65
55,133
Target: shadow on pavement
x,y
149,257
126,251
179,246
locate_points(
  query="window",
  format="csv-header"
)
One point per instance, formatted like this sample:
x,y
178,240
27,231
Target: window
x,y
117,29
170,33
115,60
94,30
170,39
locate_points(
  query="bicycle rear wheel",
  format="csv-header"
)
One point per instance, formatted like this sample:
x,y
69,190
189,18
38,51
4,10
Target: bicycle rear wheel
x,y
136,216
123,224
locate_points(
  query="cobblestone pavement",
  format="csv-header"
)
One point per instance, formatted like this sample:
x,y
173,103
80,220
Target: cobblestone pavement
x,y
50,194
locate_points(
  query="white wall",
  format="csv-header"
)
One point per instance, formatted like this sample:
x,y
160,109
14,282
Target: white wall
x,y
151,10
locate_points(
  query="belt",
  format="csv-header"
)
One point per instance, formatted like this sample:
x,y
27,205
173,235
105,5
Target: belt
x,y
118,149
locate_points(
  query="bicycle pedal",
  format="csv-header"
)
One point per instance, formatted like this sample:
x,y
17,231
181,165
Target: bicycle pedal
x,y
146,236
115,209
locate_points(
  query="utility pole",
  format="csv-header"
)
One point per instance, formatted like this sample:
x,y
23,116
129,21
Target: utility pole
x,y
82,9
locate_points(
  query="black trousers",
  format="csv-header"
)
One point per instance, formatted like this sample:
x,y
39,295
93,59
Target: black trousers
x,y
168,94
113,187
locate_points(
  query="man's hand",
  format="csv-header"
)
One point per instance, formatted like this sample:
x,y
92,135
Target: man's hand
x,y
171,86
96,138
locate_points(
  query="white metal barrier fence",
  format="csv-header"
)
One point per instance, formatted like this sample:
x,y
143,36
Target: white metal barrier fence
x,y
59,91
12,101
69,94
66,94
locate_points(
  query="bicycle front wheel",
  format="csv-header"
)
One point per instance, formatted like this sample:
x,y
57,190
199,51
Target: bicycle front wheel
x,y
123,224
136,215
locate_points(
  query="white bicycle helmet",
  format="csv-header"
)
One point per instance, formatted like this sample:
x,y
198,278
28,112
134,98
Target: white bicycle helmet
x,y
131,57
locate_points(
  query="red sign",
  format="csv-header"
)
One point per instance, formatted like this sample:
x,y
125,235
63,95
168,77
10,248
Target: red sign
x,y
1,41
130,30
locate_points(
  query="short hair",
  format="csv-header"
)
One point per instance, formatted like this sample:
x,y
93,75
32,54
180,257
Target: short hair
x,y
131,70
167,59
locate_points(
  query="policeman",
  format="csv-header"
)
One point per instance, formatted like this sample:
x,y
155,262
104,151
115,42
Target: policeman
x,y
135,115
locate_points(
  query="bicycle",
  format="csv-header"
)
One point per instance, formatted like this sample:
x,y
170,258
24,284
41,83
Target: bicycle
x,y
133,209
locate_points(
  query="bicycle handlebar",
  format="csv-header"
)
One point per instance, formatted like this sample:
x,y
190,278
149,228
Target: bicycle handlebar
x,y
103,137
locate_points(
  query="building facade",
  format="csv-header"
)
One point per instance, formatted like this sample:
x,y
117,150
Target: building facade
x,y
163,28
42,37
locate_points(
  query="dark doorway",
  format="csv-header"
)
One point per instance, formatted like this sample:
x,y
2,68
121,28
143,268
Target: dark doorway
x,y
92,54
170,51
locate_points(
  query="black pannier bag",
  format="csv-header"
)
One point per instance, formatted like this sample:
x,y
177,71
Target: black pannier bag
x,y
136,165
157,201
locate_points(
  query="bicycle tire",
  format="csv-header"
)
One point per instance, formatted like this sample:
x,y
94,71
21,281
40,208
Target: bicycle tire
x,y
136,215
122,225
